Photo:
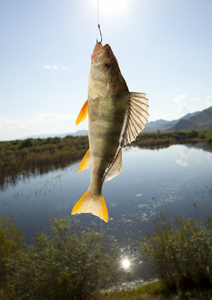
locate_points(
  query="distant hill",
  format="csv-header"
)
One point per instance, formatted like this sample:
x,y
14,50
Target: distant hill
x,y
62,135
194,121
161,125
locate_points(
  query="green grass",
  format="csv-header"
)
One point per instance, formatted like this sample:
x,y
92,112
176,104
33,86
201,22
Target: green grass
x,y
156,291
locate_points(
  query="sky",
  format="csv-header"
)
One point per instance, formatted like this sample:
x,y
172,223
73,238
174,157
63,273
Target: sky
x,y
164,49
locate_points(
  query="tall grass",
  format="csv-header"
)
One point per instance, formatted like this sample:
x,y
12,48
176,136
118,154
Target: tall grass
x,y
38,156
165,139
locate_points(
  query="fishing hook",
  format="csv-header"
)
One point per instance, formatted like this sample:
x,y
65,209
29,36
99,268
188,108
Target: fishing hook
x,y
100,35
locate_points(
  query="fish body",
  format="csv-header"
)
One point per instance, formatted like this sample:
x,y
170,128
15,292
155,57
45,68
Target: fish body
x,y
115,118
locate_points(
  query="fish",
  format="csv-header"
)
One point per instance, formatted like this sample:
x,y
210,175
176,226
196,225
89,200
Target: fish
x,y
115,118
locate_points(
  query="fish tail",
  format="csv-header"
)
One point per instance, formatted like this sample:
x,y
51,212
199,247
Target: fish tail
x,y
90,203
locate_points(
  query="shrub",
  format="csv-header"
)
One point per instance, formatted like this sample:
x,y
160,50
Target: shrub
x,y
180,252
10,244
63,264
209,136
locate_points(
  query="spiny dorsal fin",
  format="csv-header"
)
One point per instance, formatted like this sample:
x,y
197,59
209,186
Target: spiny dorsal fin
x,y
83,113
138,116
85,162
115,168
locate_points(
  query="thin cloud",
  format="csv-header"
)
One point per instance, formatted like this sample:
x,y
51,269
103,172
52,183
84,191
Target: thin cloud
x,y
12,128
53,117
34,119
209,101
183,107
54,67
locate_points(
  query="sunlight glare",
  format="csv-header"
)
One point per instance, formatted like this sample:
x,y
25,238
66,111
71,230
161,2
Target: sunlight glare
x,y
125,263
113,6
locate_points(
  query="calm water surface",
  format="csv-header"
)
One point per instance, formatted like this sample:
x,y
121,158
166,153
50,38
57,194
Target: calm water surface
x,y
177,180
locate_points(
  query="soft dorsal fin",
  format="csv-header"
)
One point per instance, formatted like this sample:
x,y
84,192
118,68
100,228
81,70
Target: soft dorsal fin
x,y
137,118
83,113
85,162
115,168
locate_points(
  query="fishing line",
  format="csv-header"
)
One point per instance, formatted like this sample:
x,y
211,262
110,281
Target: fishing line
x,y
98,24
97,11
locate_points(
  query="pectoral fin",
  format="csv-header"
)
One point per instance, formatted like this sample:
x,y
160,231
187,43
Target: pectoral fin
x,y
115,168
83,113
85,162
138,116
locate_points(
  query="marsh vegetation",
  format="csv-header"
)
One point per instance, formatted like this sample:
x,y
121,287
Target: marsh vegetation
x,y
37,156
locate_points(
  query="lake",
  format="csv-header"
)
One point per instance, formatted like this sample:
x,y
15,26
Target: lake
x,y
176,180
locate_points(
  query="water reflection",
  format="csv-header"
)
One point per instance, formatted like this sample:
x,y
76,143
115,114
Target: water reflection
x,y
183,160
209,157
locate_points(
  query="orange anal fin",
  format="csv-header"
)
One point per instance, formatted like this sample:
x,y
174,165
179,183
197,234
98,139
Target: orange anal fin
x,y
94,204
115,168
83,113
85,162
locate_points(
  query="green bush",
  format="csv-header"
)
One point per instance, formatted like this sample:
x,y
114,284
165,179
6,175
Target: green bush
x,y
180,252
62,264
10,244
209,136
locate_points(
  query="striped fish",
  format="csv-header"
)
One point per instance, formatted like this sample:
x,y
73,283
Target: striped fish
x,y
115,118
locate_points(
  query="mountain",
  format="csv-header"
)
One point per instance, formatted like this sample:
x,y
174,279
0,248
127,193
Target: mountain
x,y
193,121
201,120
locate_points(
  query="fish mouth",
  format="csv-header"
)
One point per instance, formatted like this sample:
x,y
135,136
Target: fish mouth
x,y
98,51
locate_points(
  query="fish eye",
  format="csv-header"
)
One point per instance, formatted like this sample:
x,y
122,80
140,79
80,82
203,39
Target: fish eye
x,y
106,66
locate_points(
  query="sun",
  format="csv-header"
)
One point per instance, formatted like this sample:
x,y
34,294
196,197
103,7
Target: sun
x,y
113,6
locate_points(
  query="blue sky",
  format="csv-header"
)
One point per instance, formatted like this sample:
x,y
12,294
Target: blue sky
x,y
164,48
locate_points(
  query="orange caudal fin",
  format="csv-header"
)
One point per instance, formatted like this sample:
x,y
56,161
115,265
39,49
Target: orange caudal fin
x,y
83,113
94,204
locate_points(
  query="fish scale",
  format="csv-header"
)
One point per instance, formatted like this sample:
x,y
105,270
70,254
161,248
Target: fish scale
x,y
104,133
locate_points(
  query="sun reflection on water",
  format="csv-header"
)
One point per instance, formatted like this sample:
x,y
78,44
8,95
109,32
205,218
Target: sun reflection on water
x,y
126,263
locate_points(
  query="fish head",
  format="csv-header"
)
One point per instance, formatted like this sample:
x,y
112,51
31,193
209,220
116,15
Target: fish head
x,y
105,69
103,62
